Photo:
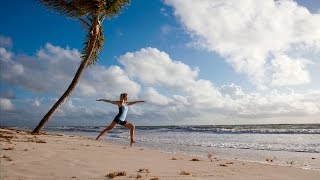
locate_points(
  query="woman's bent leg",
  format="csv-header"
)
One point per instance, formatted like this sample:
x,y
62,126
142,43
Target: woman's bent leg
x,y
131,127
106,130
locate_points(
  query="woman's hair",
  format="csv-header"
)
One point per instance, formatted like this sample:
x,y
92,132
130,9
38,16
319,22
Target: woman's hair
x,y
123,95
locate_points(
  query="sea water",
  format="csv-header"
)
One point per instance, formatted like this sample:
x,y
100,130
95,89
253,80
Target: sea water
x,y
296,145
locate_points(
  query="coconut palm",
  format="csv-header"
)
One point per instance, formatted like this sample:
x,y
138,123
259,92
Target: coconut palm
x,y
91,14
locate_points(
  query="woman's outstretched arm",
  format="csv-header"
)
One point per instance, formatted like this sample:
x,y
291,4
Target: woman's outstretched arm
x,y
109,101
135,102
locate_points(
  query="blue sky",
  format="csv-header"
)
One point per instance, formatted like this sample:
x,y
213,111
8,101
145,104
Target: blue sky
x,y
216,62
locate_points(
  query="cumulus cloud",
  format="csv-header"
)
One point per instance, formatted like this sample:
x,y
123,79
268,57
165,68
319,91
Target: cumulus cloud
x,y
153,67
248,33
53,68
4,54
174,92
36,103
47,72
289,71
280,104
6,104
151,95
108,82
232,91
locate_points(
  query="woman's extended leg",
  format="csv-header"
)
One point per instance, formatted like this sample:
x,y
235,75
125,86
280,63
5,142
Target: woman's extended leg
x,y
106,130
131,127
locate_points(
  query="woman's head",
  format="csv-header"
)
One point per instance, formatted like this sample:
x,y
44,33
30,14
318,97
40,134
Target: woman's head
x,y
123,96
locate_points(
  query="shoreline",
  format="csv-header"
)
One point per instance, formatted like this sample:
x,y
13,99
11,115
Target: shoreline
x,y
60,156
273,160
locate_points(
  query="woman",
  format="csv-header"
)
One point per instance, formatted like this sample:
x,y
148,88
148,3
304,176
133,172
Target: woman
x,y
121,116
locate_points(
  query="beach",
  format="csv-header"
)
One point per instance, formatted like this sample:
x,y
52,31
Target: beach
x,y
61,156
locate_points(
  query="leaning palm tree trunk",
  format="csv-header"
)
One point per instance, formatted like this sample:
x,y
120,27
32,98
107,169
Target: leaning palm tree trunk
x,y
62,99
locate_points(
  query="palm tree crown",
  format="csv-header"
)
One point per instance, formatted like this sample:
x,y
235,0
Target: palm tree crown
x,y
91,14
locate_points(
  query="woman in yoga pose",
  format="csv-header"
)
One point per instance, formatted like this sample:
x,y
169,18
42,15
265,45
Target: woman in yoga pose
x,y
121,116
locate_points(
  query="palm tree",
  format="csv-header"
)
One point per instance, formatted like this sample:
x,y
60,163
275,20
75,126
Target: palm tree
x,y
91,14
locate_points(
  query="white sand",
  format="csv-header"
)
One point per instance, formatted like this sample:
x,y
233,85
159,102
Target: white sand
x,y
23,156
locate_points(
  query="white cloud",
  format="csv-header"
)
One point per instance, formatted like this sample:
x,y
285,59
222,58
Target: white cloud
x,y
232,91
6,104
4,54
280,104
153,67
86,89
36,103
289,71
151,95
49,71
52,70
109,82
174,92
247,33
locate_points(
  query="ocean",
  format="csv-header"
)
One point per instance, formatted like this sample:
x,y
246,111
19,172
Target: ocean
x,y
296,145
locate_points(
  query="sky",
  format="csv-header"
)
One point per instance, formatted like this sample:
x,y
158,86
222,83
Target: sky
x,y
207,63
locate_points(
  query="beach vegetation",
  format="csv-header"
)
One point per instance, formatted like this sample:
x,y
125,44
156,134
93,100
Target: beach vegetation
x,y
144,170
210,156
195,159
7,149
185,173
115,174
91,14
6,157
40,141
139,176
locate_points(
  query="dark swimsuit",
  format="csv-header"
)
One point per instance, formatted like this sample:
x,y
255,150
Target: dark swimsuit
x,y
121,116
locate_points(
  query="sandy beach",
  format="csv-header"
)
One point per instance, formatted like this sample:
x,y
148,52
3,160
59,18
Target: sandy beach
x,y
58,156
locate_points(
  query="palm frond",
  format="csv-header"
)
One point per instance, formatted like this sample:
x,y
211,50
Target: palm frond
x,y
72,8
85,24
114,7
